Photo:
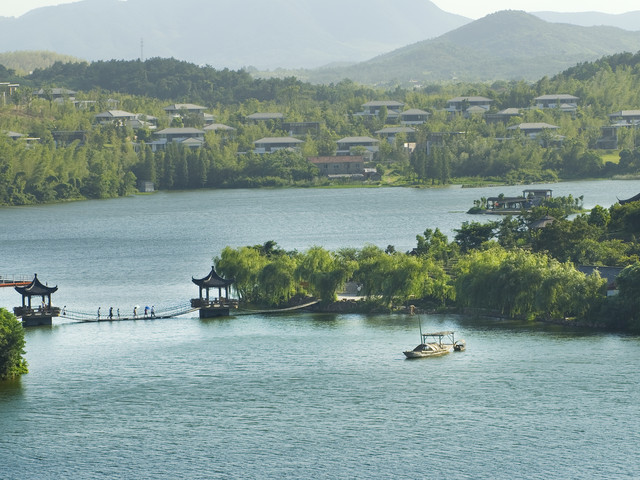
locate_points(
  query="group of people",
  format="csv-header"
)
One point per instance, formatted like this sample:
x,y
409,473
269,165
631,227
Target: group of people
x,y
148,312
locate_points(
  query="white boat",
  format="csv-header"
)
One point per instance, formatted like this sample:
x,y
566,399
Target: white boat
x,y
432,345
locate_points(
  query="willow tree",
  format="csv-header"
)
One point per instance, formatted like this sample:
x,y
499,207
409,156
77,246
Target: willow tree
x,y
277,280
12,362
397,277
518,283
244,266
323,272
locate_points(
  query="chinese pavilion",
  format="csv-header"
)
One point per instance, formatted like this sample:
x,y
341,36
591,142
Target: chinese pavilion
x,y
41,314
217,306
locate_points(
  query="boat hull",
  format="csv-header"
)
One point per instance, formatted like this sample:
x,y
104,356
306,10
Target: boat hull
x,y
427,352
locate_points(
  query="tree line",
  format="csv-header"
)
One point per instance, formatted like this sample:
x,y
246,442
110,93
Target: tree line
x,y
502,267
111,158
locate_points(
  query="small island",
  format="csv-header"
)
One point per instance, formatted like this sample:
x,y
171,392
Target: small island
x,y
530,199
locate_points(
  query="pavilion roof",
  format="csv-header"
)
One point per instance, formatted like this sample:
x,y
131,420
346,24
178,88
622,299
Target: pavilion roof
x,y
212,280
35,288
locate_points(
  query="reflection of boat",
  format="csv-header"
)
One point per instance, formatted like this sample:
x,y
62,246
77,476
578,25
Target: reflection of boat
x,y
432,345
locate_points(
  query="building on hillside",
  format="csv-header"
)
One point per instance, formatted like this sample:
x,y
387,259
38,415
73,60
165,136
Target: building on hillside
x,y
184,108
187,136
7,89
608,139
462,104
273,144
564,102
373,109
259,117
534,131
349,146
625,118
503,116
57,95
117,117
390,133
475,111
218,128
339,165
221,130
301,129
414,116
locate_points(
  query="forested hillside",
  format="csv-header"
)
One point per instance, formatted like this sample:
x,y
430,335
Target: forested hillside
x,y
56,149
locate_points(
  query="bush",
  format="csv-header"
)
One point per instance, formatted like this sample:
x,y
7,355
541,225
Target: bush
x,y
12,364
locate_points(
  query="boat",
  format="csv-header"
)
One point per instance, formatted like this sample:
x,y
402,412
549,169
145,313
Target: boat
x,y
459,346
432,345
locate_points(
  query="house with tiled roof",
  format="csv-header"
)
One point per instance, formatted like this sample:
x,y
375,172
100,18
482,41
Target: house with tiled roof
x,y
462,104
273,144
625,117
301,128
347,144
503,115
374,108
188,136
390,133
57,94
564,102
265,117
219,127
532,130
114,116
414,116
179,108
339,165
184,110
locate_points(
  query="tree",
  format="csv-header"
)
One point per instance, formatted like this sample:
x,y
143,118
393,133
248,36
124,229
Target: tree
x,y
323,272
12,343
243,265
471,236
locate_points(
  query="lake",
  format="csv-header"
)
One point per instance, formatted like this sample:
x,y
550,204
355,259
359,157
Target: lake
x,y
299,395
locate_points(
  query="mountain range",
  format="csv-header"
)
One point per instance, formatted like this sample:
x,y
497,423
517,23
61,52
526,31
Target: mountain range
x,y
223,34
369,41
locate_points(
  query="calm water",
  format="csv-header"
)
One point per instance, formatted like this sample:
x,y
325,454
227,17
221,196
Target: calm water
x,y
295,396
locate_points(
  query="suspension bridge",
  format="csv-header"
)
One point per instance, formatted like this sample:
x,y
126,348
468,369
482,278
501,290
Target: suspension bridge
x,y
206,306
170,311
114,315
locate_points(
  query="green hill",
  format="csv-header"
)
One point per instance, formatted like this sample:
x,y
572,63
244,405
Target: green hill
x,y
507,45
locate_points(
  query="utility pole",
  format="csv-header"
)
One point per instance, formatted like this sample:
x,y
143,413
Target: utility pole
x,y
142,49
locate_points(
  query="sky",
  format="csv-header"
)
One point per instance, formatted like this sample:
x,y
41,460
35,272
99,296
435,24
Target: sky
x,y
469,8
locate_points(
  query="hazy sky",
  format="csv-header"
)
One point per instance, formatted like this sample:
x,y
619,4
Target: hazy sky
x,y
468,8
